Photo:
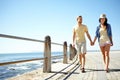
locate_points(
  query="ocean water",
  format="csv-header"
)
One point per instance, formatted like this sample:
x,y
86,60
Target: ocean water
x,y
11,70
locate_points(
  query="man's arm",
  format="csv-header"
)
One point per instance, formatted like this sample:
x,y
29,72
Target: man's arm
x,y
74,38
88,35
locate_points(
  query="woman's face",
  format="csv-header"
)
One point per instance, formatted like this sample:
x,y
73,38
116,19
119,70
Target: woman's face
x,y
102,20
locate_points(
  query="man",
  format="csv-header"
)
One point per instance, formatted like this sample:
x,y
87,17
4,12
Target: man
x,y
79,38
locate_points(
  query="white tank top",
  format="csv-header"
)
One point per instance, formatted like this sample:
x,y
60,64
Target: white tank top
x,y
103,36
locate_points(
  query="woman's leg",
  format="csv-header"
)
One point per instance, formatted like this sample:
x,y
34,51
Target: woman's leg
x,y
107,50
103,53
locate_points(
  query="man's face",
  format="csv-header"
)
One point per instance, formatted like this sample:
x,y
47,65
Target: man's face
x,y
79,19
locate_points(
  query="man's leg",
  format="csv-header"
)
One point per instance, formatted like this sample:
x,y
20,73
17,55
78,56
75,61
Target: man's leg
x,y
80,58
83,62
83,56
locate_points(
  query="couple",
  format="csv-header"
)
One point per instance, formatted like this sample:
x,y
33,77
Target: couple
x,y
104,35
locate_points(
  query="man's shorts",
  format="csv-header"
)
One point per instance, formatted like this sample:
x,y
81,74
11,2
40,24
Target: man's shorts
x,y
81,47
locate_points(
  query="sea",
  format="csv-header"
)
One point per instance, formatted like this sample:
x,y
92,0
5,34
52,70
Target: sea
x,y
12,70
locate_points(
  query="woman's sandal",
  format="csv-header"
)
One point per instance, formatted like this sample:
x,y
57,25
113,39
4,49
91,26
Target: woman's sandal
x,y
107,70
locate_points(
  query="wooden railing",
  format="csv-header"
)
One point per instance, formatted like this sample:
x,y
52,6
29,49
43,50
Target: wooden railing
x,y
47,51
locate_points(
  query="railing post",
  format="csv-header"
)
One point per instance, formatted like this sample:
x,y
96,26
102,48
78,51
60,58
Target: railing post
x,y
47,55
70,50
65,52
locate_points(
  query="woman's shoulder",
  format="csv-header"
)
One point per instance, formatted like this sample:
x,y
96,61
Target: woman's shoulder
x,y
98,26
108,25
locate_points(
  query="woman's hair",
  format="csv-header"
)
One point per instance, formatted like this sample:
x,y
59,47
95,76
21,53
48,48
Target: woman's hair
x,y
105,23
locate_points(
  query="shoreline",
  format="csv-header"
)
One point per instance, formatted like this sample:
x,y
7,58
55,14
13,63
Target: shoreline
x,y
12,70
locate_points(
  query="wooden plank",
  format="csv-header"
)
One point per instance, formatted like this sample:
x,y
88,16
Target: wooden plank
x,y
101,73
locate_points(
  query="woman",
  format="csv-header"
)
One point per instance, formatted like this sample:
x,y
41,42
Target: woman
x,y
104,35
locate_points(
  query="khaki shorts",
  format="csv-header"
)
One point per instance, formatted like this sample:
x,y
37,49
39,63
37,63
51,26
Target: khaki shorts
x,y
81,47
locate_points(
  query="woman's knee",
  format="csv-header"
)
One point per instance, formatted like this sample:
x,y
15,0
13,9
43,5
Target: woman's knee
x,y
107,53
107,48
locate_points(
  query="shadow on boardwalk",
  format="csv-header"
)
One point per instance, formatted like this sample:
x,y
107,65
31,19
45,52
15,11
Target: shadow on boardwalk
x,y
110,70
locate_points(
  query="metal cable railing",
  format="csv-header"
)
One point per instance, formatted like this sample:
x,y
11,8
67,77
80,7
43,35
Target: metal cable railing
x,y
20,61
28,39
20,38
14,62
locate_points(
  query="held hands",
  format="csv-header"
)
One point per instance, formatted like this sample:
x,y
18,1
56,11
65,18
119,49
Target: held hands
x,y
92,43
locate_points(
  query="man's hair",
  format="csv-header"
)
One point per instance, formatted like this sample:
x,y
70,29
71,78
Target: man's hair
x,y
79,17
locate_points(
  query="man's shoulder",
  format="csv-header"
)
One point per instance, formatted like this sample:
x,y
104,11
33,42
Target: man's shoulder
x,y
84,25
75,26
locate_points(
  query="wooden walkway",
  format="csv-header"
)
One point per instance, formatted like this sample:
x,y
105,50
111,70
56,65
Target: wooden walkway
x,y
94,70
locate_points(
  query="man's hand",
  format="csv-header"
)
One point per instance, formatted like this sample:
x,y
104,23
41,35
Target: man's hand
x,y
73,45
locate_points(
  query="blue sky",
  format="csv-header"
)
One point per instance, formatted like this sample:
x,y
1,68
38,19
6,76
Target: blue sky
x,y
56,18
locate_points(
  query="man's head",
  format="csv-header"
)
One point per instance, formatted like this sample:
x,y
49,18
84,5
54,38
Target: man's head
x,y
79,19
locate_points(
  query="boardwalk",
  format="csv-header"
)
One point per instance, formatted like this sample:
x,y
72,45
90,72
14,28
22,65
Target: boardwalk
x,y
94,70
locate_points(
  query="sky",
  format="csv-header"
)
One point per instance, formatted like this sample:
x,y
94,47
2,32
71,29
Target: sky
x,y
38,18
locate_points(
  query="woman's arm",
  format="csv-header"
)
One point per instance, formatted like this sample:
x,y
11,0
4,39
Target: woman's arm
x,y
110,34
94,40
111,41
